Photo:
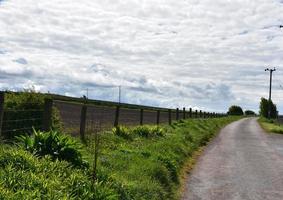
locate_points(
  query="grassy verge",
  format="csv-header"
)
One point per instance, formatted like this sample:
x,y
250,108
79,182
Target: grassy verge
x,y
271,126
150,167
137,163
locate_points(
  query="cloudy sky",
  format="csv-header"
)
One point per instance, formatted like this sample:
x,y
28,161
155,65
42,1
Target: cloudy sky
x,y
194,53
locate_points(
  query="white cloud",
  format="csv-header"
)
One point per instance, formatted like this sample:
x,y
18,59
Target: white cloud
x,y
208,54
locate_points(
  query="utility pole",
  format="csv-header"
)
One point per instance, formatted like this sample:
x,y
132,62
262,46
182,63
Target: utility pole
x,y
270,86
119,94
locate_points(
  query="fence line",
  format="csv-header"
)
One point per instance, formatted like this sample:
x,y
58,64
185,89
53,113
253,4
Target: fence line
x,y
78,115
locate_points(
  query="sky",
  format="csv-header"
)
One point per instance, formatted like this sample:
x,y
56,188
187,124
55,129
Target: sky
x,y
187,53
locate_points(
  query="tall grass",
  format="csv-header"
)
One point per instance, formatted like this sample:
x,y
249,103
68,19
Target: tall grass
x,y
24,176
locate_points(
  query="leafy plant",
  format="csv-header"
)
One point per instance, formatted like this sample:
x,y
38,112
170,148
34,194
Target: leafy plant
x,y
52,143
122,131
148,131
158,131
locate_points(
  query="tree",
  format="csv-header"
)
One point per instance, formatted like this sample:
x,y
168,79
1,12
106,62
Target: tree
x,y
263,108
235,110
249,112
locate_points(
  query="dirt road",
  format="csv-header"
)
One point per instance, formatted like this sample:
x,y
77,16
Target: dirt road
x,y
241,163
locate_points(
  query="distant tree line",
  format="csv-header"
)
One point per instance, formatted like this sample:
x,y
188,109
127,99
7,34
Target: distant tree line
x,y
263,109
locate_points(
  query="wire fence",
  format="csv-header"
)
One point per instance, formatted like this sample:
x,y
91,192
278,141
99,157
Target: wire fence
x,y
23,120
81,116
280,119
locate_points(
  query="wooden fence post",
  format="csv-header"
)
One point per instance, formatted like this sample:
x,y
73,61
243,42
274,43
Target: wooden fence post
x,y
116,123
200,113
141,117
169,117
184,113
190,113
196,113
83,121
47,115
2,94
158,117
177,114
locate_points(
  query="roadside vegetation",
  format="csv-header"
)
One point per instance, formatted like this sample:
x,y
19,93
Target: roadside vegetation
x,y
141,162
271,125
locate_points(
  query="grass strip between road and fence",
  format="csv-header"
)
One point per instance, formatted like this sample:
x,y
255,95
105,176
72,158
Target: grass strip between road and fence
x,y
271,126
144,162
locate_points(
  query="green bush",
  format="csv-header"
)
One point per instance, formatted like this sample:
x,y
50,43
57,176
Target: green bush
x,y
143,131
52,143
148,131
249,112
26,100
122,131
26,108
235,110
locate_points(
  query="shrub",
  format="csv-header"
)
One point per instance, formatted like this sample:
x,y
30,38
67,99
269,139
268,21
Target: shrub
x,y
52,143
249,112
143,131
158,131
28,99
26,108
235,110
148,131
122,131
263,108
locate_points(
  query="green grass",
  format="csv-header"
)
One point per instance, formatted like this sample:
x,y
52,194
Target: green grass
x,y
271,126
146,164
150,167
25,176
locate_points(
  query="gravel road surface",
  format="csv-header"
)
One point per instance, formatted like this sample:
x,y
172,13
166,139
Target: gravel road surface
x,y
241,163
